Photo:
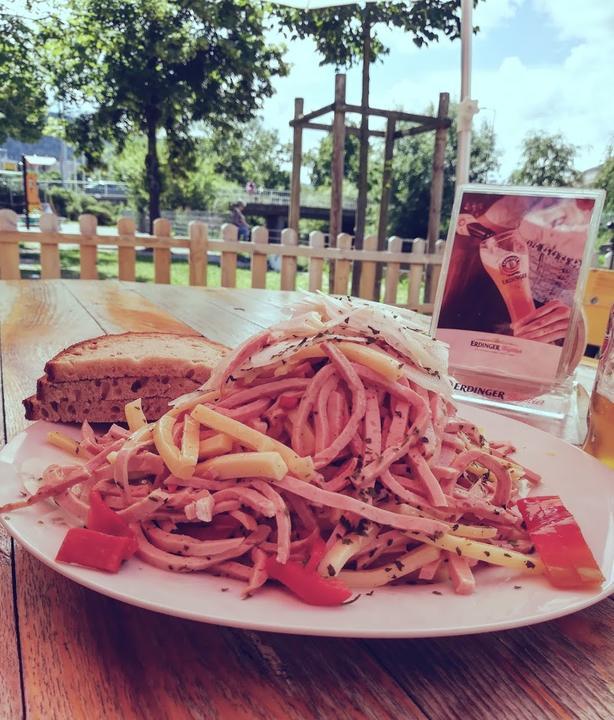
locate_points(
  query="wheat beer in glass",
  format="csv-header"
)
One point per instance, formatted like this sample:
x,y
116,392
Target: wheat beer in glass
x,y
505,258
600,438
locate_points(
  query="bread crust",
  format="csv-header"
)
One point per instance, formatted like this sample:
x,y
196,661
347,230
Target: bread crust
x,y
104,411
135,355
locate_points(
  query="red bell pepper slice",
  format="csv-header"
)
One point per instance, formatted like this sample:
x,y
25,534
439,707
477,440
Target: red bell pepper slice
x,y
102,518
93,549
559,541
308,585
318,551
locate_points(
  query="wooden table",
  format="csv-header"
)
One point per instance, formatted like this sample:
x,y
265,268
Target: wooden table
x,y
67,652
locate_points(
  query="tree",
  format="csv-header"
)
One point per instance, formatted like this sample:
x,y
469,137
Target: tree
x,y
252,153
411,180
548,160
156,66
605,180
23,104
319,159
345,35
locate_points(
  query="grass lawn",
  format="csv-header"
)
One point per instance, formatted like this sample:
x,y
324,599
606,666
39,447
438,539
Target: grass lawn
x,y
107,269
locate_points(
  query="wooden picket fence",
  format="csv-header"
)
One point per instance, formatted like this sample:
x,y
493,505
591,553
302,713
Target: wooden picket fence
x,y
199,246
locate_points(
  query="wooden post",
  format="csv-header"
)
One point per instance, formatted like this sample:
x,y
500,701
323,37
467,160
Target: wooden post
x,y
88,251
336,171
439,152
416,273
126,255
162,255
294,210
342,267
367,272
289,238
199,239
393,271
440,247
228,262
316,264
363,156
9,251
384,204
260,236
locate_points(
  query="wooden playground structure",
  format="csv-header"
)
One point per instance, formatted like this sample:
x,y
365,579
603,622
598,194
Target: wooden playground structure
x,y
438,124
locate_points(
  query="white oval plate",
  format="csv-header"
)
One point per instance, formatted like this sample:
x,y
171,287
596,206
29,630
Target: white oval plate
x,y
503,599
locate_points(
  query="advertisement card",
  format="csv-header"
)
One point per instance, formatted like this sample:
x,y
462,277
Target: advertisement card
x,y
513,274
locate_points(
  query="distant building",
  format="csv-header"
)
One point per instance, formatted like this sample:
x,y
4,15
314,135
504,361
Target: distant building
x,y
67,163
588,177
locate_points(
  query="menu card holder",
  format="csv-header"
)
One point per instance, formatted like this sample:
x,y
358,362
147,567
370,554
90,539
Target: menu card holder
x,y
509,298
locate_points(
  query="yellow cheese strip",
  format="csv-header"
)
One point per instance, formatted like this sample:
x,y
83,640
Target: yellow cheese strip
x,y
469,531
62,441
244,464
405,565
248,437
163,437
135,416
383,364
487,553
190,440
218,444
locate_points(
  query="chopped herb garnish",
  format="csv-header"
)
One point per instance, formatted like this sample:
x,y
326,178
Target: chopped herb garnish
x,y
530,564
458,551
331,570
436,592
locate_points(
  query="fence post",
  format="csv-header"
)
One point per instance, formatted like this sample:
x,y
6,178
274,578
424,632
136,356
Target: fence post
x,y
416,273
162,255
366,287
9,251
199,240
393,270
260,236
440,247
316,264
126,254
50,249
294,209
289,238
88,251
229,257
342,267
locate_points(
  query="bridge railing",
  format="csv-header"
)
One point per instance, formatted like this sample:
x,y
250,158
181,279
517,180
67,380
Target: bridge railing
x,y
226,250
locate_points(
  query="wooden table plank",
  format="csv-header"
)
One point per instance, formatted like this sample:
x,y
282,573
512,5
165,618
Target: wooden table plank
x,y
551,670
119,309
86,656
189,304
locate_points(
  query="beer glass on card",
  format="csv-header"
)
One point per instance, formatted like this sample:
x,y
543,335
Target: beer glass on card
x,y
505,258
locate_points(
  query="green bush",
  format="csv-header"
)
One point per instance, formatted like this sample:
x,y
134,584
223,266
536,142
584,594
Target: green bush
x,y
70,205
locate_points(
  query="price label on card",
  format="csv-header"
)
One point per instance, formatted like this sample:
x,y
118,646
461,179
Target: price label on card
x,y
512,280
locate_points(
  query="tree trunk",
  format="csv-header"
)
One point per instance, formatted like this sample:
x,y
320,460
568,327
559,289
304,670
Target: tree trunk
x,y
363,156
152,167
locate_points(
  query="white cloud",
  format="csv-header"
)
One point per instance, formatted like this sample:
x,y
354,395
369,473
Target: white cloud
x,y
489,14
586,20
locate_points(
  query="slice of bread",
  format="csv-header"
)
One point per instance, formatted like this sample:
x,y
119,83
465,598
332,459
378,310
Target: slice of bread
x,y
103,411
122,388
135,355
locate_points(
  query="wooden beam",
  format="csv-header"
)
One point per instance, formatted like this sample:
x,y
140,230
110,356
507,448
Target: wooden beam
x,y
432,234
363,151
312,115
350,130
419,129
294,209
396,114
385,199
336,173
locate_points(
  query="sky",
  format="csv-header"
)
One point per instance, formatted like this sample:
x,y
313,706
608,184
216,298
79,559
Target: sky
x,y
538,65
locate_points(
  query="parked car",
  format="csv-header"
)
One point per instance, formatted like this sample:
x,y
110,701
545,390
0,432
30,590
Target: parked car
x,y
102,190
